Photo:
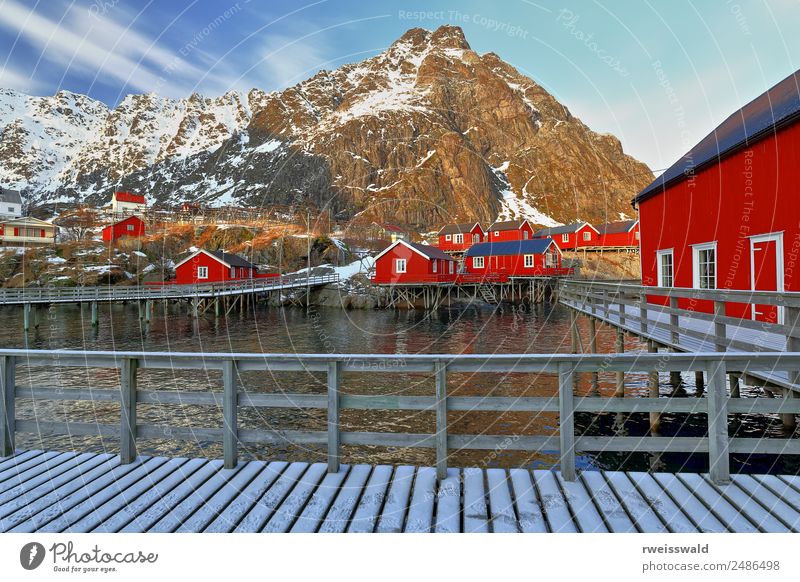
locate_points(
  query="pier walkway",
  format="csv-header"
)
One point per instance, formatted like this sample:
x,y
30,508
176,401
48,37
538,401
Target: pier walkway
x,y
87,492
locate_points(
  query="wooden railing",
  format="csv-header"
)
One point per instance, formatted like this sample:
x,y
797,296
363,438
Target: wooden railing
x,y
155,292
233,397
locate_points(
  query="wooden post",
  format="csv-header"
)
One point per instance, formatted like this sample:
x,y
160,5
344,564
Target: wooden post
x,y
593,349
719,463
230,413
621,298
792,322
127,385
674,320
148,310
95,319
675,375
573,331
566,421
643,312
26,316
194,307
653,389
216,307
334,381
8,412
719,327
699,383
441,420
735,381
619,392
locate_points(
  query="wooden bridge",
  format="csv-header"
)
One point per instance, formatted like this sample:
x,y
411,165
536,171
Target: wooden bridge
x,y
202,296
49,491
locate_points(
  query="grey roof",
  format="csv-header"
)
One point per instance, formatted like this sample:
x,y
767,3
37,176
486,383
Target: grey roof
x,y
535,246
507,225
430,251
10,196
232,259
459,228
776,108
617,227
574,227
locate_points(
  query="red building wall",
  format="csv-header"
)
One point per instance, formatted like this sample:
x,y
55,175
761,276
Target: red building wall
x,y
516,234
451,245
120,229
575,239
620,239
419,269
751,192
186,274
511,265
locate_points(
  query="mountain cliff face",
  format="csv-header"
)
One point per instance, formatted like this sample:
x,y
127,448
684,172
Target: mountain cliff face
x,y
426,132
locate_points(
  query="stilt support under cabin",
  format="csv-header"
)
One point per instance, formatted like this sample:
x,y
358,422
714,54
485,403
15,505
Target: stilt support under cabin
x,y
95,317
789,420
653,388
593,349
148,310
699,383
619,392
735,381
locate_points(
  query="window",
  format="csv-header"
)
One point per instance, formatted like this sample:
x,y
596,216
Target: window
x,y
587,235
400,265
528,261
704,267
233,272
435,266
477,262
459,238
665,268
551,259
11,209
476,238
452,267
496,233
525,234
565,237
637,235
202,272
448,237
130,227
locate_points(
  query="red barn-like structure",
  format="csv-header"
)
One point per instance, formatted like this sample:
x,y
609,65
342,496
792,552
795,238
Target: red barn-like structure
x,y
623,233
509,230
571,236
457,238
726,215
133,226
520,258
213,267
407,263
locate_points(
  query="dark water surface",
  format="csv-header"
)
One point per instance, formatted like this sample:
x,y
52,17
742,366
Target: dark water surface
x,y
479,330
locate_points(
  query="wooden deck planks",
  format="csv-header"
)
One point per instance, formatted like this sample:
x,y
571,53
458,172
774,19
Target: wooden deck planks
x,y
59,492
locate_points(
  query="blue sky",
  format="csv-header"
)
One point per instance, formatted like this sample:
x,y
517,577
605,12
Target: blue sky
x,y
657,74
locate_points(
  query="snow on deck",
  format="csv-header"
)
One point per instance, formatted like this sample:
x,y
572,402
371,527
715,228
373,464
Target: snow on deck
x,y
47,491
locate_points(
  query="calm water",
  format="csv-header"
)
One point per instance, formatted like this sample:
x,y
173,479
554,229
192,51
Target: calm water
x,y
485,329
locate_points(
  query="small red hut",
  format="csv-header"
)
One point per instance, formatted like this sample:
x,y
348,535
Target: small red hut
x,y
520,258
133,226
509,230
457,238
623,233
213,267
571,236
407,263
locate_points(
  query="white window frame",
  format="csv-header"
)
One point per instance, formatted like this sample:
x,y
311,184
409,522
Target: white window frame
x,y
660,268
496,233
530,262
565,237
202,272
696,250
637,235
551,259
458,239
780,266
448,237
400,265
435,265
587,235
525,235
478,263
233,272
451,268
130,227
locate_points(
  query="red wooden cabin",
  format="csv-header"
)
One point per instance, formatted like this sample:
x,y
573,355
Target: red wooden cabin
x,y
459,237
725,215
520,258
571,236
509,230
623,233
133,226
407,263
213,267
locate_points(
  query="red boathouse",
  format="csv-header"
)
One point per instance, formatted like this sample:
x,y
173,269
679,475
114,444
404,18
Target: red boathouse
x,y
457,238
571,236
213,267
725,215
133,226
407,263
509,230
520,258
623,233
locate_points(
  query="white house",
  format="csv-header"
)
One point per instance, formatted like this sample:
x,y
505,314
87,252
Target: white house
x,y
10,203
26,231
125,203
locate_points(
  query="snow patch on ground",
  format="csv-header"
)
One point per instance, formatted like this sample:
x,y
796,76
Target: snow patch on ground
x,y
268,146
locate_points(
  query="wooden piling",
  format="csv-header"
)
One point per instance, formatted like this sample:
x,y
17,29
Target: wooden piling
x,y
95,318
653,389
26,316
619,392
593,349
699,383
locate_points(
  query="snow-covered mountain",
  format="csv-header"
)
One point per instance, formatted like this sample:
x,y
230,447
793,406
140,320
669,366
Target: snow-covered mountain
x,y
425,132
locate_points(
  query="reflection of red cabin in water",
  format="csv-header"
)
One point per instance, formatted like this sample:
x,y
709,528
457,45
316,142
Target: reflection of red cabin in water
x,y
521,258
215,267
404,263
133,226
459,237
509,230
720,217
623,233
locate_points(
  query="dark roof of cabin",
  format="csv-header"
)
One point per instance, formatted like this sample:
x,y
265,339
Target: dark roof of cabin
x,y
232,259
574,227
534,246
10,196
507,225
458,228
616,227
771,110
430,251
